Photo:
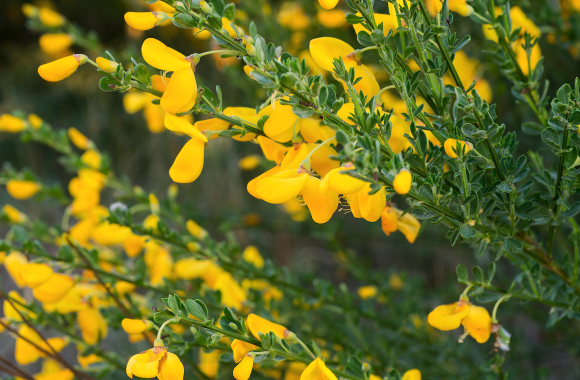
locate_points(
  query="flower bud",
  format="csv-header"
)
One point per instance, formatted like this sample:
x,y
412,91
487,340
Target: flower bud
x,y
54,43
78,139
22,189
205,7
144,20
403,181
251,49
106,65
61,68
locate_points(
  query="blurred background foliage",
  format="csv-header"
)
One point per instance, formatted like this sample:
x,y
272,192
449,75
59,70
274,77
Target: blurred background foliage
x,y
218,200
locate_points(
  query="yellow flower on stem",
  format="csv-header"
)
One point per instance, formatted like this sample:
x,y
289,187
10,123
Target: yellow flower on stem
x,y
54,289
257,325
392,219
325,49
478,323
209,363
181,92
61,68
389,21
433,7
106,65
249,162
252,255
367,206
412,374
20,189
241,349
460,6
467,68
145,20
243,370
135,326
340,183
13,308
189,162
11,124
449,317
92,159
317,370
155,362
35,274
453,146
232,293
92,324
14,215
403,181
30,346
332,19
55,43
35,121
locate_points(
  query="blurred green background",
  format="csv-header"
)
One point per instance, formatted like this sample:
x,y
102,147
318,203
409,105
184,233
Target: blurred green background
x,y
218,200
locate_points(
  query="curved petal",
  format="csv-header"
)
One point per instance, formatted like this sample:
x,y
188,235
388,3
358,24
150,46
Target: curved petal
x,y
189,162
280,124
180,124
325,49
321,206
171,368
180,92
294,157
340,183
368,84
252,184
162,57
321,161
312,131
448,317
371,206
281,187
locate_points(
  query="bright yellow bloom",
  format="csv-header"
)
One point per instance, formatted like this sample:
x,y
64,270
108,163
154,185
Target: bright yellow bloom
x,y
92,324
55,43
11,124
282,124
144,20
243,370
26,352
159,263
13,214
392,219
403,181
35,274
460,6
34,121
389,20
448,317
478,323
155,362
332,19
317,370
61,68
232,293
189,162
86,361
195,229
366,292
292,16
181,92
50,18
92,159
312,131
252,255
106,65
395,282
135,326
78,139
467,68
324,50
257,324
13,263
209,363
328,4
19,189
249,162
241,349
412,374
369,207
452,146
54,289
52,370
12,310
341,183
433,7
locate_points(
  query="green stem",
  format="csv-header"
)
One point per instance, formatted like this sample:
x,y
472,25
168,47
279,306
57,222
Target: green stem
x,y
499,301
557,192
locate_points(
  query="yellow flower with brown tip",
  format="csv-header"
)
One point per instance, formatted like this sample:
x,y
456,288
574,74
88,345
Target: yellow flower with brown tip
x,y
61,68
181,92
145,20
55,43
403,181
257,325
155,362
20,189
243,370
317,370
325,49
241,349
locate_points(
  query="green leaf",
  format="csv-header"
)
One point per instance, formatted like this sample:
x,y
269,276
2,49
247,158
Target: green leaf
x,y
197,308
478,273
574,209
467,231
142,73
564,93
481,248
110,84
462,275
504,187
302,112
183,20
351,18
550,137
364,38
230,11
491,271
160,318
229,314
218,6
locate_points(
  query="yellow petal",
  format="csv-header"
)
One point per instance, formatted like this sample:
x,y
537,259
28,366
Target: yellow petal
x,y
272,150
403,181
12,124
312,131
252,255
452,146
34,274
78,139
50,18
340,183
54,43
409,226
135,326
448,317
162,57
171,368
106,65
251,187
282,186
180,124
368,84
371,206
144,20
189,162
389,220
13,263
257,324
92,324
328,4
281,124
244,369
317,370
61,68
53,289
321,161
212,125
325,49
412,374
321,206
478,323
241,349
22,189
180,92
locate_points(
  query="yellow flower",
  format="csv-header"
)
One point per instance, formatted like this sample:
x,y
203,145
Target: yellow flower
x,y
252,255
61,68
312,131
35,121
328,4
412,374
283,124
13,263
26,352
403,181
241,349
189,162
195,229
135,326
243,370
257,324
159,263
209,363
369,207
35,274
249,162
106,65
144,20
92,324
19,189
181,92
395,282
433,7
92,159
156,362
55,43
52,370
50,18
13,214
478,323
87,360
448,317
452,146
54,289
366,292
292,16
461,7
12,310
325,49
332,19
389,20
78,139
467,69
12,124
232,293
317,370
341,183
